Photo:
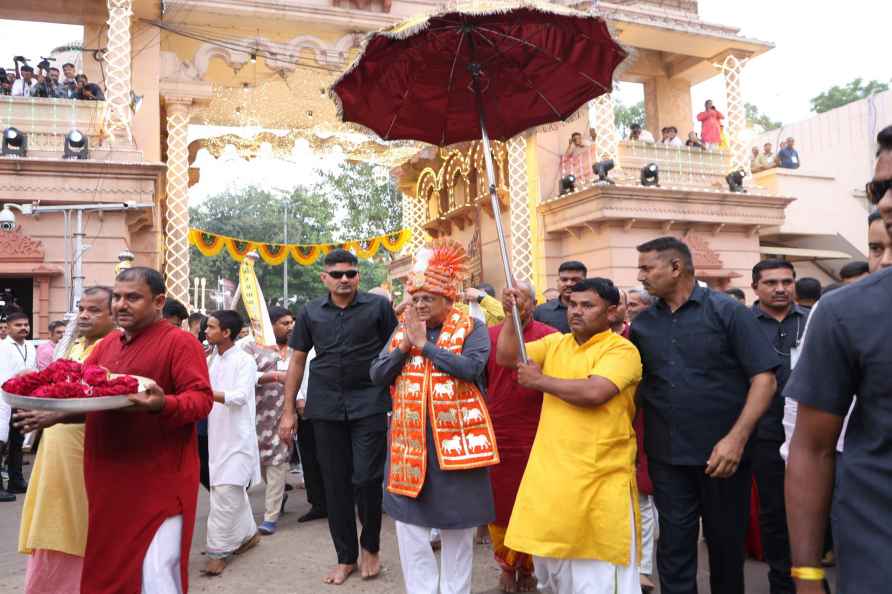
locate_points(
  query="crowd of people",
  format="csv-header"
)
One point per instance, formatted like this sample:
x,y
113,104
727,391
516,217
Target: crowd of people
x,y
570,432
48,81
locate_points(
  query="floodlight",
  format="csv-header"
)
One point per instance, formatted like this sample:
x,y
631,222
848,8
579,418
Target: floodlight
x,y
76,146
650,175
568,184
15,143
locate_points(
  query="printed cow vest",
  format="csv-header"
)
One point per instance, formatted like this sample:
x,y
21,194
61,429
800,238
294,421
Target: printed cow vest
x,y
460,422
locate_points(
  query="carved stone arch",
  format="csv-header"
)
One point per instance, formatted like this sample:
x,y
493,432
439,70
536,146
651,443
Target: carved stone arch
x,y
234,58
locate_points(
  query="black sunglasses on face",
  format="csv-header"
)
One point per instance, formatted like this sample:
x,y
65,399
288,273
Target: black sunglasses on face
x,y
339,274
876,189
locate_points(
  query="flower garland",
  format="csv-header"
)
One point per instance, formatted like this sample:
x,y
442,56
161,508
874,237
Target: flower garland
x,y
211,244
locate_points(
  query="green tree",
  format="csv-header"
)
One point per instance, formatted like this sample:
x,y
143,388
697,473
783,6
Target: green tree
x,y
757,119
626,115
837,96
371,204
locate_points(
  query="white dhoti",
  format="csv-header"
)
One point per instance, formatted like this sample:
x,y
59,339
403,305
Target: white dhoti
x,y
161,565
420,572
589,576
230,520
648,532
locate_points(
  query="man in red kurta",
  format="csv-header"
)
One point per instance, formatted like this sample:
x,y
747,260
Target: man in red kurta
x,y
515,416
141,463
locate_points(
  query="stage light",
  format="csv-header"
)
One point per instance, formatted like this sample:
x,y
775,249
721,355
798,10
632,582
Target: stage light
x,y
568,184
650,175
15,143
735,181
602,168
76,146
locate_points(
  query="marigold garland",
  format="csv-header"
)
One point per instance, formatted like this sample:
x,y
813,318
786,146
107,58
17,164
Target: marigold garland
x,y
211,244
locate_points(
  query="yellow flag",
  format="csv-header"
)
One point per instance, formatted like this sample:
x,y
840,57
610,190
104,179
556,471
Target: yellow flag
x,y
255,305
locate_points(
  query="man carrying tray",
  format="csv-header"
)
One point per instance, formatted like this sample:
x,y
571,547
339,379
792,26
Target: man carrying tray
x,y
141,463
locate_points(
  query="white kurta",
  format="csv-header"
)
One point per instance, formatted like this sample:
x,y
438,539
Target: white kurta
x,y
233,455
14,358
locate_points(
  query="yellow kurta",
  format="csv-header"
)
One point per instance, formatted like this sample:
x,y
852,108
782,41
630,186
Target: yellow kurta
x,y
54,516
578,490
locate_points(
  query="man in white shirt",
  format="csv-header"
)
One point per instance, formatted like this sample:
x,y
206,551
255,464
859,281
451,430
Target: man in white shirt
x,y
233,454
16,355
22,86
636,132
672,138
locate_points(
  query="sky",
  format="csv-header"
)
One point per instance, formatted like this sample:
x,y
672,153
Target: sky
x,y
817,44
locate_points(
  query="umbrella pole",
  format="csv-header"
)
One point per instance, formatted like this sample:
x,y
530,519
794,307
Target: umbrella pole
x,y
497,213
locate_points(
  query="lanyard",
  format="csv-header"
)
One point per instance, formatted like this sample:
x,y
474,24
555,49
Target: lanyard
x,y
23,353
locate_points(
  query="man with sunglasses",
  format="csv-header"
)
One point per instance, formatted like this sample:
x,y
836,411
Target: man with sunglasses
x,y
846,353
783,321
348,328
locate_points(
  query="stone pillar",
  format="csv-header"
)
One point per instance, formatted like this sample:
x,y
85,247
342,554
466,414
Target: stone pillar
x,y
176,231
735,123
117,76
521,248
605,126
414,219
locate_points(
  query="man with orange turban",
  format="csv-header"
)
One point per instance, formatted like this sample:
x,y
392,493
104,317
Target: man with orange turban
x,y
441,439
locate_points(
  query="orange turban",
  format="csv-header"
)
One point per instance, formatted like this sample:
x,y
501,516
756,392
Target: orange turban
x,y
439,268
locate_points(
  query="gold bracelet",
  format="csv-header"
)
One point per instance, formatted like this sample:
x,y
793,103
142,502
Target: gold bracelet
x,y
811,574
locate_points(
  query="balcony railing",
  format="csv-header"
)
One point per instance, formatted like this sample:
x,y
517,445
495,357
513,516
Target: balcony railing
x,y
45,122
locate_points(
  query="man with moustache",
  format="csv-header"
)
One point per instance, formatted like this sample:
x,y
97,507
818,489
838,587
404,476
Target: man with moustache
x,y
554,313
53,531
16,355
141,462
846,353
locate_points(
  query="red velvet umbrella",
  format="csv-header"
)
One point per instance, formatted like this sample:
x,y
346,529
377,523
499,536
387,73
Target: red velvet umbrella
x,y
486,69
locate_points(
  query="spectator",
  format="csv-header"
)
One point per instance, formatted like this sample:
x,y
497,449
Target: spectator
x,y
45,350
664,135
787,157
736,294
550,294
69,73
22,87
637,133
175,312
50,87
766,159
671,137
91,92
577,147
711,131
808,291
754,160
879,244
5,84
694,141
853,271
10,77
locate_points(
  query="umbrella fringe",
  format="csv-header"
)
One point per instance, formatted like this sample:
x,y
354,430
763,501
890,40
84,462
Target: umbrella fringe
x,y
413,26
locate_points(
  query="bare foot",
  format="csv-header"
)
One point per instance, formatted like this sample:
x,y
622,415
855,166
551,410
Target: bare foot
x,y
339,574
647,584
526,583
507,581
369,565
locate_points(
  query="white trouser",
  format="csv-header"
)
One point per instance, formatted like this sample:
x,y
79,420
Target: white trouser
x,y
230,520
274,477
161,566
588,576
420,572
648,532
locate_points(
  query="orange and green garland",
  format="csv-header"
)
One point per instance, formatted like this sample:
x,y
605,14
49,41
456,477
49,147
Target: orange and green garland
x,y
211,244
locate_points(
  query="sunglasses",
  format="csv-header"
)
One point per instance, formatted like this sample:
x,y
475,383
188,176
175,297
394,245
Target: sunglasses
x,y
339,274
876,189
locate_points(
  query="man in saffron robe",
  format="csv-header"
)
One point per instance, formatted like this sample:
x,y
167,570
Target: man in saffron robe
x,y
141,462
515,415
440,436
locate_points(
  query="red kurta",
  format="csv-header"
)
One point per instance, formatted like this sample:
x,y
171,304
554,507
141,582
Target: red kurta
x,y
142,468
515,416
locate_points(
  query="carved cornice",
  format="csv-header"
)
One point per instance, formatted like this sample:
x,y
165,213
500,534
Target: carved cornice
x,y
15,246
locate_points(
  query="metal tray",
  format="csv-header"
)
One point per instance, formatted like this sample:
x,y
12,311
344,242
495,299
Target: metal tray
x,y
75,405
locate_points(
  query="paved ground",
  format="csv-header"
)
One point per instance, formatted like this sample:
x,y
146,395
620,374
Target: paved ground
x,y
293,560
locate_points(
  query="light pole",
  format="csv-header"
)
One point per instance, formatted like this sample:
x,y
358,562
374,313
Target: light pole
x,y
287,255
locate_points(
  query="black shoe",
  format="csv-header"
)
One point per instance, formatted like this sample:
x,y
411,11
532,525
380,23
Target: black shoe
x,y
17,487
314,514
6,496
284,501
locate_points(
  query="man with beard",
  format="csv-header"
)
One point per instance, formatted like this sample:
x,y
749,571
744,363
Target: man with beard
x,y
845,353
54,517
784,323
554,313
141,462
347,328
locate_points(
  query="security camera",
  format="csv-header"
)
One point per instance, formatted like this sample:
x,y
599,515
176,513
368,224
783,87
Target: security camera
x,y
7,219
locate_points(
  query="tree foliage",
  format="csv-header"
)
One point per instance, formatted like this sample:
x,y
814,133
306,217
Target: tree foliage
x,y
352,203
626,115
757,119
837,96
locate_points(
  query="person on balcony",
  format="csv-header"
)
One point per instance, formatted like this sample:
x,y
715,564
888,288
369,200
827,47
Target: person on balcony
x,y
766,159
787,157
577,146
50,87
694,141
22,86
670,137
638,134
711,129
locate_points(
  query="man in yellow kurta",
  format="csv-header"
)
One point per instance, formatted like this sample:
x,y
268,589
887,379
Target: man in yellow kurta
x,y
583,458
54,516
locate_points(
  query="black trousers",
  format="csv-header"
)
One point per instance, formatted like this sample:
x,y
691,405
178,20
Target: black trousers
x,y
768,470
205,469
14,456
313,481
351,455
684,495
